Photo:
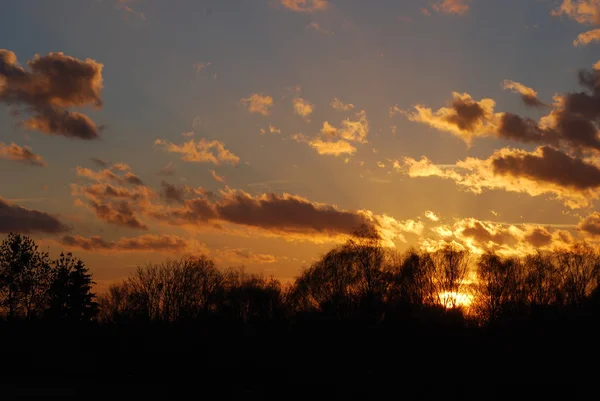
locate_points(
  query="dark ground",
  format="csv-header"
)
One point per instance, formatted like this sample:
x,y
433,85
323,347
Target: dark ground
x,y
319,362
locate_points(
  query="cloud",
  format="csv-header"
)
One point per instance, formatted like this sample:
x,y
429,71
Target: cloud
x,y
318,28
217,177
302,107
350,130
15,218
328,147
245,255
395,110
504,239
459,7
123,5
258,103
341,106
100,162
335,148
588,37
573,181
307,6
116,205
285,215
528,95
133,179
201,151
431,215
274,130
21,154
144,243
590,225
54,83
465,117
585,12
572,122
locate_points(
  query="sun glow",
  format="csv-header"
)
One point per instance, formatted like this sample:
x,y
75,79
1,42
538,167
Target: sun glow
x,y
455,299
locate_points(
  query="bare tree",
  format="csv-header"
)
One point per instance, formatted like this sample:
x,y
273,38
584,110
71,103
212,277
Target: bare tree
x,y
451,266
579,268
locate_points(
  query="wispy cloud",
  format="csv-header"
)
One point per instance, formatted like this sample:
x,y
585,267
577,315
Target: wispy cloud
x,y
21,154
258,103
201,151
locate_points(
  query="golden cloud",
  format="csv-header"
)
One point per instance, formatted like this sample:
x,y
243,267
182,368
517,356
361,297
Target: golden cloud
x,y
21,154
588,37
466,118
341,106
201,151
258,103
528,95
505,239
545,171
302,107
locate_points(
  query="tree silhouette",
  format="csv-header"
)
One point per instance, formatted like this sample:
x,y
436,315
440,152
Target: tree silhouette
x,y
70,296
25,277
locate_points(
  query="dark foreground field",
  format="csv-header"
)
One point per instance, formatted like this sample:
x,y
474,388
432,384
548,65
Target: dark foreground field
x,y
326,361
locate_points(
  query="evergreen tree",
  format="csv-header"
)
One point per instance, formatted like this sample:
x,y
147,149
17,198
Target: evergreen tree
x,y
70,292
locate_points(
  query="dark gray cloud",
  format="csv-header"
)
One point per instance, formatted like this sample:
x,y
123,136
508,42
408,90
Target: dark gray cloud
x,y
52,84
100,162
467,114
154,243
14,218
590,225
551,166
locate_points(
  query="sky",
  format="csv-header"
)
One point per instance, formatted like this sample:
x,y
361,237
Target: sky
x,y
263,133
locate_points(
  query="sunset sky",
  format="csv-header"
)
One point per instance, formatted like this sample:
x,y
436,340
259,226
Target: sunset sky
x,y
263,132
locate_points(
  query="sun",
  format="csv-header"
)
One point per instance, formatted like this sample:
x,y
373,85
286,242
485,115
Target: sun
x,y
455,299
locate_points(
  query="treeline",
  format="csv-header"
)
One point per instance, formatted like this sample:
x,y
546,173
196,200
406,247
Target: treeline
x,y
359,281
362,281
32,286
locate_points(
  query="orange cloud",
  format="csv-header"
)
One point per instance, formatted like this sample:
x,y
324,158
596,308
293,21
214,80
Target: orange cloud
x,y
258,103
289,216
585,12
54,83
216,177
466,118
201,151
573,181
21,154
121,206
350,130
307,6
528,95
302,107
459,7
244,255
505,239
341,106
571,123
588,37
590,225
334,148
